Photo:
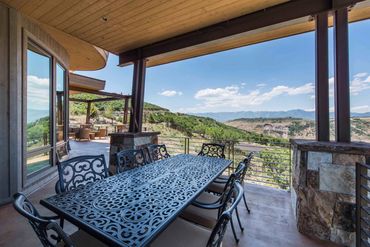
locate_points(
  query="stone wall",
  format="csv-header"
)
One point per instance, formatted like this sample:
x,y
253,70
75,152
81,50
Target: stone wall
x,y
323,188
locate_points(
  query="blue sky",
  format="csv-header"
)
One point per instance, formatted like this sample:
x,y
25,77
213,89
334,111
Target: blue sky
x,y
274,76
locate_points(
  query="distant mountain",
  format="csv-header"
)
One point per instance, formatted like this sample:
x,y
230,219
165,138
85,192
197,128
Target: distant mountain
x,y
227,116
35,114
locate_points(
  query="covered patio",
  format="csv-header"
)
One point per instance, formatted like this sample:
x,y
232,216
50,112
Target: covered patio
x,y
61,37
270,213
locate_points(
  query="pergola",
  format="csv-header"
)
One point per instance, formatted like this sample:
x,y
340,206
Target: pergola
x,y
84,84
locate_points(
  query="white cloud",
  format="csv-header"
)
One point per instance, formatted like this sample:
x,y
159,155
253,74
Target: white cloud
x,y
170,93
38,93
360,82
360,109
361,74
261,85
230,97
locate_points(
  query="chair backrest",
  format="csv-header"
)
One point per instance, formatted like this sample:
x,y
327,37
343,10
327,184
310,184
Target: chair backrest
x,y
47,230
213,150
157,152
102,132
80,171
85,133
227,193
247,161
130,158
219,230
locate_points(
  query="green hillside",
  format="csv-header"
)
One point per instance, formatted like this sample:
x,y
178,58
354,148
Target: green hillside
x,y
206,127
189,125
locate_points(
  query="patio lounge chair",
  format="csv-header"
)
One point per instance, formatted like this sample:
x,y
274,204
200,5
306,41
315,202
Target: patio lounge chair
x,y
101,133
48,230
213,150
83,134
182,233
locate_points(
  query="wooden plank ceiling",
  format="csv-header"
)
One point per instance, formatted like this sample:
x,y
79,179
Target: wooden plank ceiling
x,y
118,26
359,12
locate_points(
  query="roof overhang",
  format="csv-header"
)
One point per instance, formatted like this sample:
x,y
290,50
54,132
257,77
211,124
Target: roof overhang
x,y
85,82
283,20
168,31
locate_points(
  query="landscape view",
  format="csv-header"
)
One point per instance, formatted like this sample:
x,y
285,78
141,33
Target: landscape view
x,y
266,133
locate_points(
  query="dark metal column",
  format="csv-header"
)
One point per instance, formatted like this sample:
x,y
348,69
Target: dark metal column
x,y
125,110
322,78
137,100
341,63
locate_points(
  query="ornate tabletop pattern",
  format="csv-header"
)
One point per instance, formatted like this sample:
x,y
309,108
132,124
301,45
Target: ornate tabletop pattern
x,y
131,208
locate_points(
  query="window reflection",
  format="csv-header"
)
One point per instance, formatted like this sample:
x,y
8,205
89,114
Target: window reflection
x,y
38,104
60,98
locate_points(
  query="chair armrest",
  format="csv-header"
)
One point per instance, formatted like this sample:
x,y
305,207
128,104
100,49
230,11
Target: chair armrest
x,y
56,217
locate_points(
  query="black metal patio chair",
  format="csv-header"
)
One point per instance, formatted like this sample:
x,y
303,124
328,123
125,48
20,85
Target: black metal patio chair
x,y
129,159
213,150
80,171
157,152
207,208
48,230
182,233
217,186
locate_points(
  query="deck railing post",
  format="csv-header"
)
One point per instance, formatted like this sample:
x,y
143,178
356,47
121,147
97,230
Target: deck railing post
x,y
358,205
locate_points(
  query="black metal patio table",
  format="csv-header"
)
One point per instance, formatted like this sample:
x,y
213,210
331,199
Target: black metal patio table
x,y
132,208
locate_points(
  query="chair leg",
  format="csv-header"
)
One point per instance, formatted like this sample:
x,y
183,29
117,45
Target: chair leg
x,y
237,216
245,203
233,229
61,223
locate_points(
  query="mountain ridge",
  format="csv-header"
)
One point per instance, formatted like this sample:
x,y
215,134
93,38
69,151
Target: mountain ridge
x,y
297,113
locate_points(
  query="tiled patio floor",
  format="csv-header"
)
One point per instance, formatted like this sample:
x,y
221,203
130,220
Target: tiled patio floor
x,y
270,223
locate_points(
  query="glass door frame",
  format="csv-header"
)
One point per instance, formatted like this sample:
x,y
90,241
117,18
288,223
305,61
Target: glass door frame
x,y
29,179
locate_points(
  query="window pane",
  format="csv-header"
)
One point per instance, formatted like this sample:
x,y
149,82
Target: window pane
x,y
38,107
60,98
36,163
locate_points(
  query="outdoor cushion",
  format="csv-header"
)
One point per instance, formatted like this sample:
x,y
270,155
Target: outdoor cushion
x,y
81,239
216,187
182,233
205,217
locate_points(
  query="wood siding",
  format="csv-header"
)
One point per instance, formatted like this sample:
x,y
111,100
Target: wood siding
x,y
4,103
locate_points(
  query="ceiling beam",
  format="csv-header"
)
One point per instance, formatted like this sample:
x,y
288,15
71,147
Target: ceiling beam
x,y
273,15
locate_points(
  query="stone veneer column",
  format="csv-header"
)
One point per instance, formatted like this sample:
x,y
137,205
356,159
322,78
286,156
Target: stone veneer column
x,y
323,188
125,140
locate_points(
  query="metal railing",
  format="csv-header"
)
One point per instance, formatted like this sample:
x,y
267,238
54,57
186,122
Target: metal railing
x,y
271,165
363,205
